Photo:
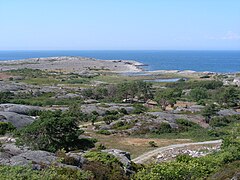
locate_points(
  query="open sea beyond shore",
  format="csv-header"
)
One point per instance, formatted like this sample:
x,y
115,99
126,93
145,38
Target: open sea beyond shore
x,y
215,61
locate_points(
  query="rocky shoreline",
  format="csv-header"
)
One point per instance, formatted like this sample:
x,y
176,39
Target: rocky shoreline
x,y
72,64
76,64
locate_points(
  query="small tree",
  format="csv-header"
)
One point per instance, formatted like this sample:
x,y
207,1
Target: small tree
x,y
51,132
209,111
198,94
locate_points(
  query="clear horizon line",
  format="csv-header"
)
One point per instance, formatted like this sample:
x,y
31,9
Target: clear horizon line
x,y
121,50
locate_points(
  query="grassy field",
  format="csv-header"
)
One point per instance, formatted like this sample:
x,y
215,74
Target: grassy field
x,y
135,145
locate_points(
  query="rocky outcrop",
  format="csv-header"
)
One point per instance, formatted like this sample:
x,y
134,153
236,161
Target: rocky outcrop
x,y
18,120
18,108
22,156
228,112
101,109
123,157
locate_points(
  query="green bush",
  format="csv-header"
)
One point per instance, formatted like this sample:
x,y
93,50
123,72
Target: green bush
x,y
138,109
152,144
186,167
5,97
51,132
52,173
105,132
198,94
123,111
164,128
104,166
110,118
6,127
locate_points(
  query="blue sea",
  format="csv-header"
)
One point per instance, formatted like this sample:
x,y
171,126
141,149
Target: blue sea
x,y
215,61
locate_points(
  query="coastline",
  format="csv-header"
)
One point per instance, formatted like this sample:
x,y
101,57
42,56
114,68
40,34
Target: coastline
x,y
78,64
72,64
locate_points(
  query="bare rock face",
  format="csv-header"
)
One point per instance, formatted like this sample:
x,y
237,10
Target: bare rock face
x,y
18,108
228,112
18,120
22,156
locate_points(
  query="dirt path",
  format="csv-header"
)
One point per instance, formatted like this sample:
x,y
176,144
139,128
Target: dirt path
x,y
146,156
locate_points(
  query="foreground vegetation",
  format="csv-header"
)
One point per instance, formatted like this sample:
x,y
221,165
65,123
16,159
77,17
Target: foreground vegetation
x,y
61,131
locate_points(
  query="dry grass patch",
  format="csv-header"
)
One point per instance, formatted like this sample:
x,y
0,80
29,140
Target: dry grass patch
x,y
136,146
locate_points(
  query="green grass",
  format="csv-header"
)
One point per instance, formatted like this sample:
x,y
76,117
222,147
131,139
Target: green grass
x,y
41,81
195,135
44,100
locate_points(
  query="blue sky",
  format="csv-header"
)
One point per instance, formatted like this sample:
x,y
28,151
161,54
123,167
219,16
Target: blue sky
x,y
119,25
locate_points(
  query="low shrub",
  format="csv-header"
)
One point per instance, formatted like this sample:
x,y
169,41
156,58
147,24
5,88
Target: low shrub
x,y
6,127
105,132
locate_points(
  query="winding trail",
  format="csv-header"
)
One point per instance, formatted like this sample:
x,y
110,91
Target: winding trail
x,y
146,156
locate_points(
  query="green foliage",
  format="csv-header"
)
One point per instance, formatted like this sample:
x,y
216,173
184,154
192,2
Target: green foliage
x,y
120,91
229,96
104,166
123,125
109,118
131,89
139,108
185,125
51,132
102,157
224,120
198,94
186,167
213,84
167,96
31,73
52,173
43,99
63,158
152,144
123,111
105,132
101,147
227,171
6,127
77,81
5,96
164,128
209,111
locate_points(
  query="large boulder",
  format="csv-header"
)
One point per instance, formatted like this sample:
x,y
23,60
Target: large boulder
x,y
22,156
18,120
18,108
13,155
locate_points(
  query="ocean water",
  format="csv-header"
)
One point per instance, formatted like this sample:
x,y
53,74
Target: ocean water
x,y
216,61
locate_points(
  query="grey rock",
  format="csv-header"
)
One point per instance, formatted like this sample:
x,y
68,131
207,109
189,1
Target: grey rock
x,y
23,156
67,96
122,156
36,157
7,86
227,112
101,110
18,108
18,120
